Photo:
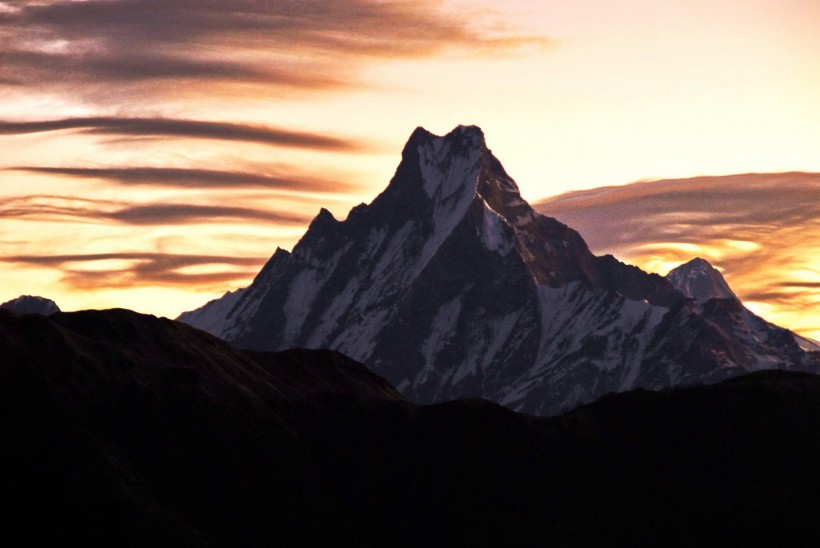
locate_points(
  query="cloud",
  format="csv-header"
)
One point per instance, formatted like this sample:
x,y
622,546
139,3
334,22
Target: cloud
x,y
61,208
192,178
689,210
762,230
90,271
174,127
122,46
168,214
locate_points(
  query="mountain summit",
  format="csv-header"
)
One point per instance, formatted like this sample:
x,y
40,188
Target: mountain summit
x,y
703,283
450,285
699,280
31,304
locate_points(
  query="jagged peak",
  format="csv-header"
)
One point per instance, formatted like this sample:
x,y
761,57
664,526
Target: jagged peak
x,y
467,134
699,280
437,166
324,216
427,161
459,140
323,219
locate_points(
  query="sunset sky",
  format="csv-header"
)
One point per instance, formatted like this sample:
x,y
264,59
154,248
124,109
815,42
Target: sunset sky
x,y
153,154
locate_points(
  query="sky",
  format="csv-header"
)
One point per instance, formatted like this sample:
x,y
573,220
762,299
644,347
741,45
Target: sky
x,y
154,154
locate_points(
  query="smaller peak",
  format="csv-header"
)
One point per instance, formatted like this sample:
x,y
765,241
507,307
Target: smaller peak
x,y
324,217
357,211
698,262
419,137
31,304
694,267
699,280
323,224
421,133
467,130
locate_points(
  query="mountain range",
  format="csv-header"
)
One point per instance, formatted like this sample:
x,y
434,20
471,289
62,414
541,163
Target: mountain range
x,y
449,285
126,429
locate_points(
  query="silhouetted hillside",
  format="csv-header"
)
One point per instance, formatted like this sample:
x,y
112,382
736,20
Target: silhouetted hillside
x,y
123,429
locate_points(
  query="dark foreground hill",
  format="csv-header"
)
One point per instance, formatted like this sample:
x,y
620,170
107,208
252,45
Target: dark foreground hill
x,y
123,429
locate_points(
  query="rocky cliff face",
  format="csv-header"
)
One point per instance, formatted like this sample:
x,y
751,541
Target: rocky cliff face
x,y
450,285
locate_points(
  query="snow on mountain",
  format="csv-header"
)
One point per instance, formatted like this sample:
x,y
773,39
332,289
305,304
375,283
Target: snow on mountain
x,y
450,285
701,281
809,345
30,304
209,318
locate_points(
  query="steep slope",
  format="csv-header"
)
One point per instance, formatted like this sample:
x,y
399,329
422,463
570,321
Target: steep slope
x,y
450,285
128,430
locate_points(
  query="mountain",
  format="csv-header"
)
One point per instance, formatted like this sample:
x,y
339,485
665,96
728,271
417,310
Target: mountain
x,y
129,430
450,285
28,304
702,282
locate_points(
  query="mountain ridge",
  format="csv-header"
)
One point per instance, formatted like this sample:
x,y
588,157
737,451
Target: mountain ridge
x,y
449,284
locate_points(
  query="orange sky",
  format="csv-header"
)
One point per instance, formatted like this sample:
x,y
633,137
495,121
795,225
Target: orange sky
x,y
154,153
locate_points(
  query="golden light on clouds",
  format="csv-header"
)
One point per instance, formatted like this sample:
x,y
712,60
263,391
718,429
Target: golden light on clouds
x,y
762,231
154,154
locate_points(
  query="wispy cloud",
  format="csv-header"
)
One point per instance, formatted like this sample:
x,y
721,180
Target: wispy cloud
x,y
61,208
193,178
760,229
89,271
307,44
174,127
168,213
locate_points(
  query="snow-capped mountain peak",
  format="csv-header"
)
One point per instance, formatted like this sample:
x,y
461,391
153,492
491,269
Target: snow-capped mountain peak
x,y
450,285
699,280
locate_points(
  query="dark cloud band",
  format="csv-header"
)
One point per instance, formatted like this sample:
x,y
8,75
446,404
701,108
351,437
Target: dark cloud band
x,y
689,210
165,259
172,127
191,178
118,46
144,269
40,208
